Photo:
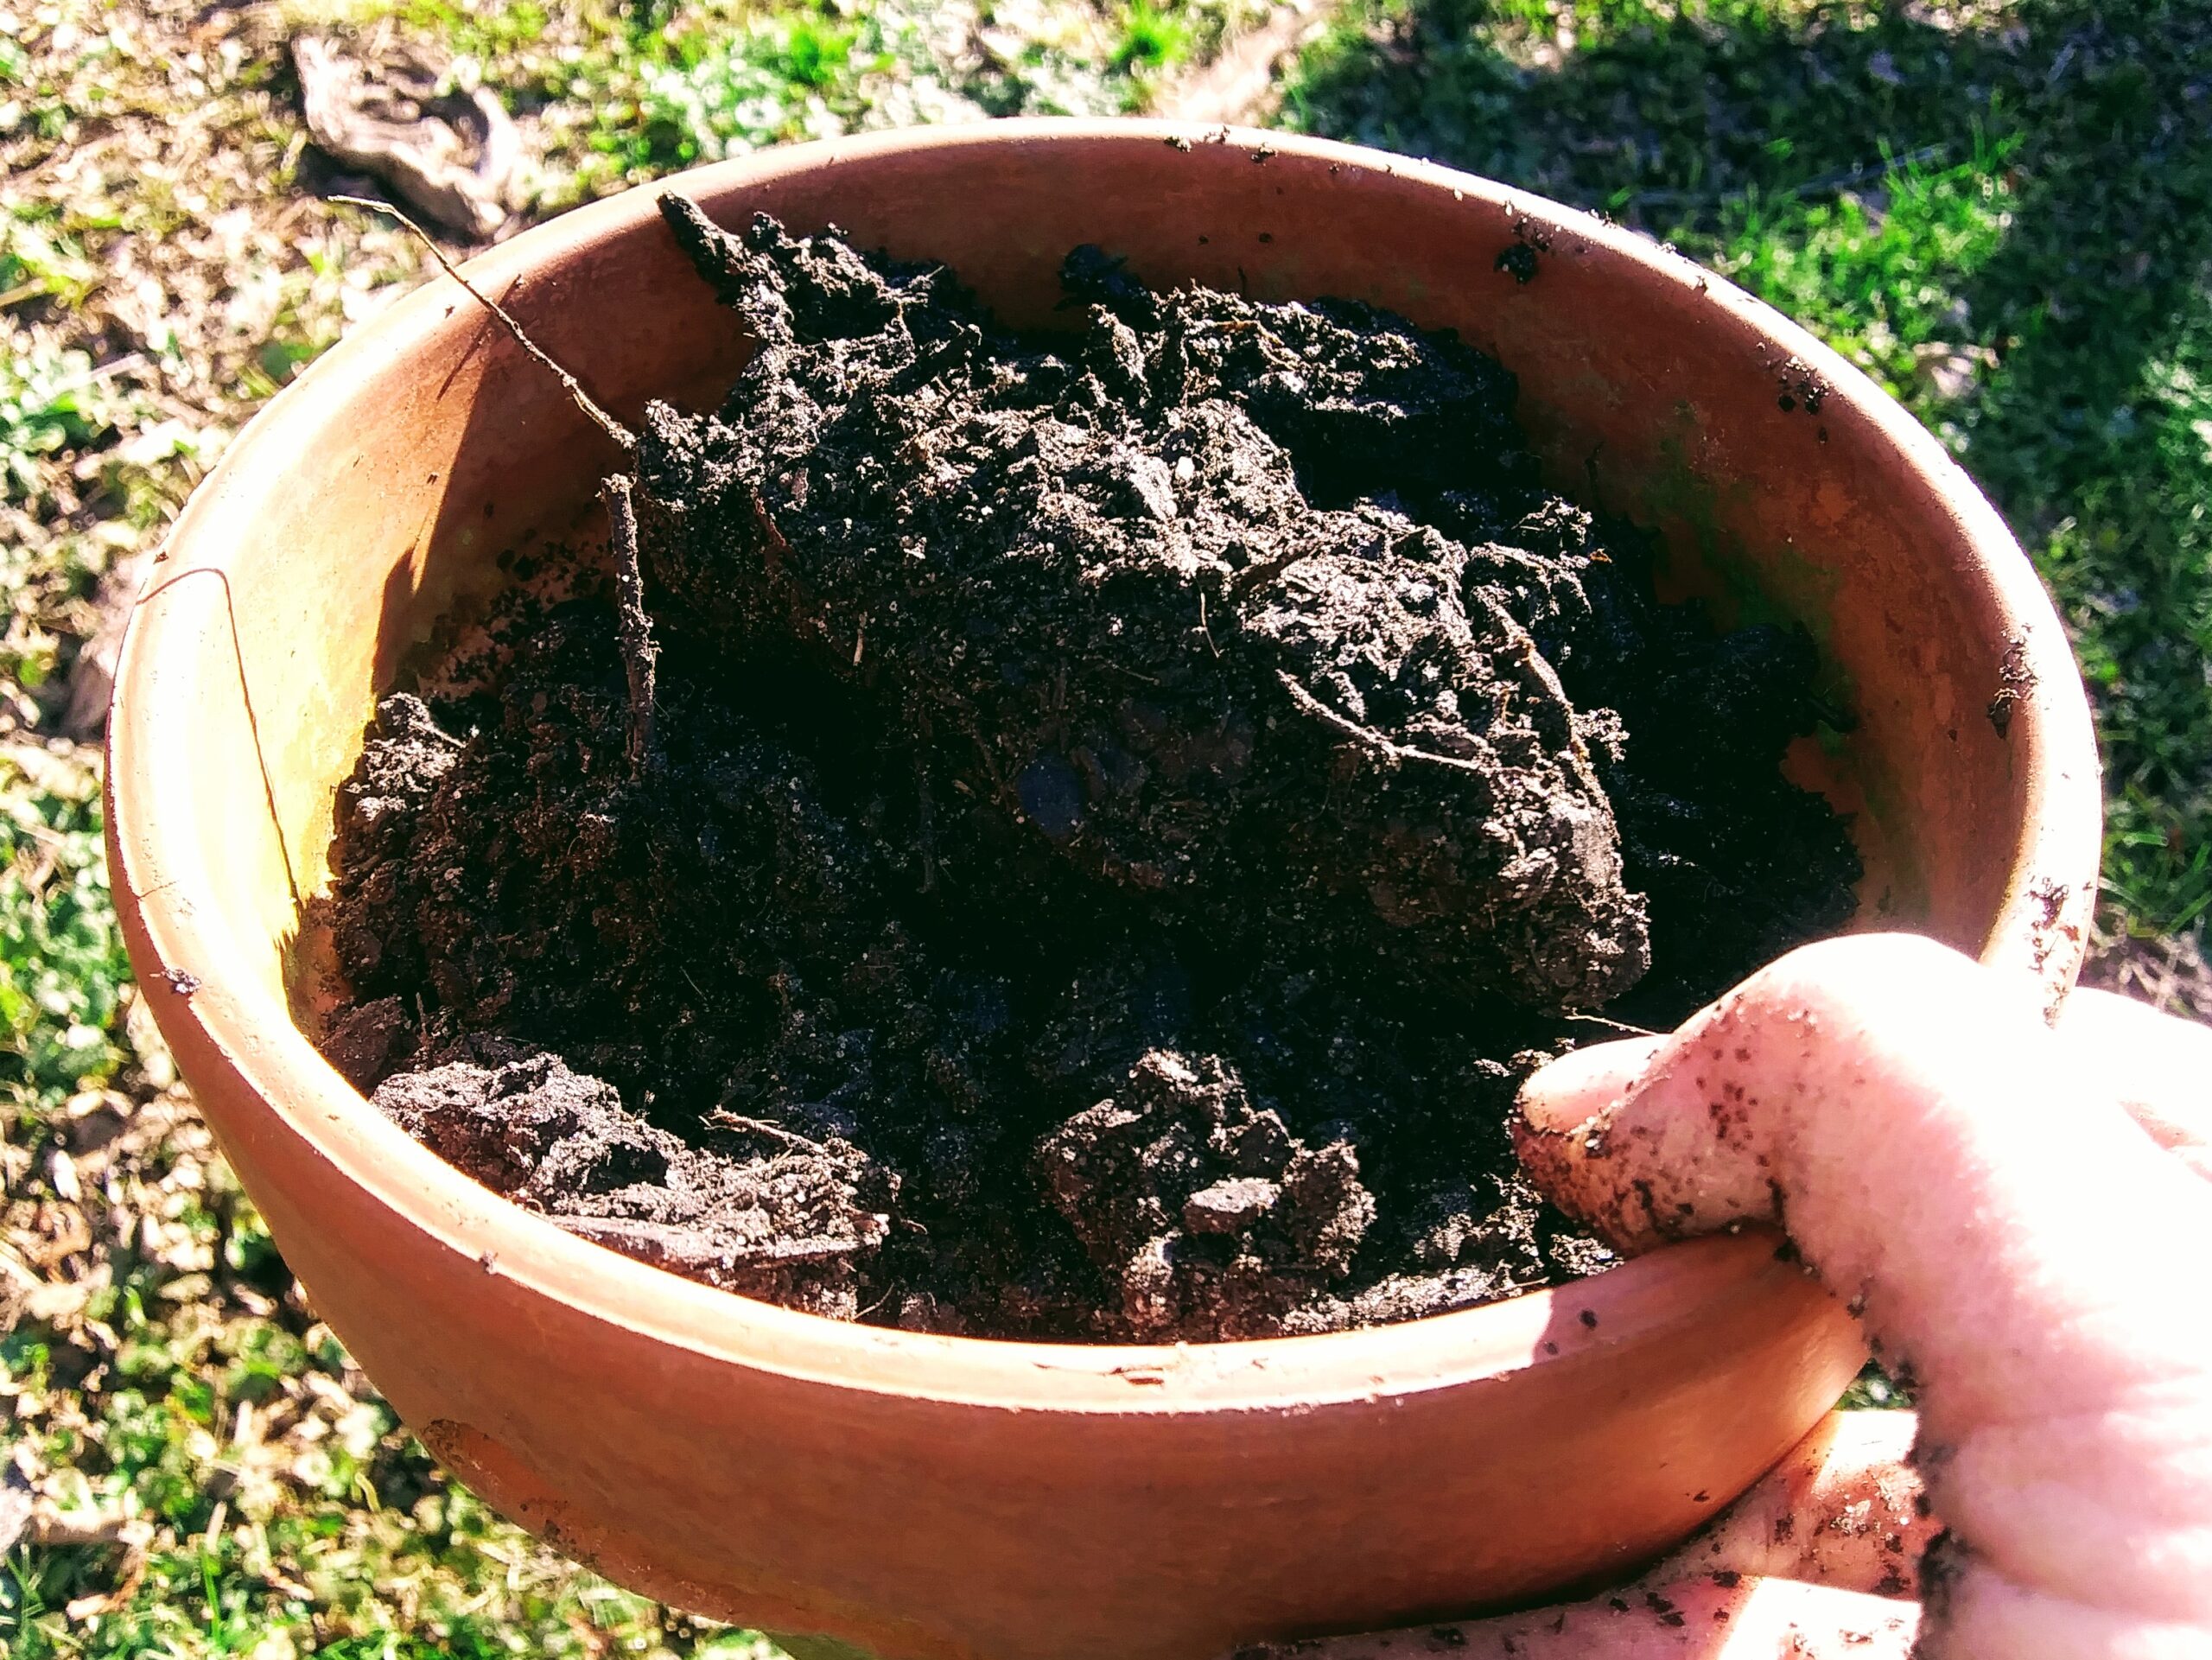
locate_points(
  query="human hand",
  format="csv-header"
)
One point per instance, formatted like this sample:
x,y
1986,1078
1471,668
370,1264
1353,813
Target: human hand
x,y
2023,1218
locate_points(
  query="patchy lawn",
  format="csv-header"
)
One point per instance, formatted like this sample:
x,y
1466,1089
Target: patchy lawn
x,y
2003,212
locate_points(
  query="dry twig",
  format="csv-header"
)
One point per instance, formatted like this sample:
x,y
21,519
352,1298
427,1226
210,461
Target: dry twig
x,y
584,400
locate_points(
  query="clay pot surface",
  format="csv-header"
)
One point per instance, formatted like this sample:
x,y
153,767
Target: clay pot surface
x,y
927,1496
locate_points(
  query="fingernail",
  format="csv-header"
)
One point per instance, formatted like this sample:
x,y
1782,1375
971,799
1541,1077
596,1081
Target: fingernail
x,y
1576,1088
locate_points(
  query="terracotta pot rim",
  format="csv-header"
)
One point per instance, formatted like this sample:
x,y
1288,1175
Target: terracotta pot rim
x,y
173,917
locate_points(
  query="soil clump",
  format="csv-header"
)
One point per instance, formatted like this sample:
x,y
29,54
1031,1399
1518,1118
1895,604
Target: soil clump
x,y
1070,837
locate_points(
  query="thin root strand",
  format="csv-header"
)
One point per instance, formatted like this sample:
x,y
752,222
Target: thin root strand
x,y
584,400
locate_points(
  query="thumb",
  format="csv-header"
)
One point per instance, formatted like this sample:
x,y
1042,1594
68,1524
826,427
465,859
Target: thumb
x,y
1574,1089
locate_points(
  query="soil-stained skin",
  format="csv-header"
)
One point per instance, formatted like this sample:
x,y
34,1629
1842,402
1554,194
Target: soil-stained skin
x,y
1119,815
1973,1185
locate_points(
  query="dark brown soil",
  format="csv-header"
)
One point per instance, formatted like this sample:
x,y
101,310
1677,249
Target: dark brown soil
x,y
1118,816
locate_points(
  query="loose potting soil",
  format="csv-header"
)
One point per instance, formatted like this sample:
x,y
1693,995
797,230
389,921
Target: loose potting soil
x,y
1073,836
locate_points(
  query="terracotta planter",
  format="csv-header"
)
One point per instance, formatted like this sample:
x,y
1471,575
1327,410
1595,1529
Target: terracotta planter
x,y
929,1496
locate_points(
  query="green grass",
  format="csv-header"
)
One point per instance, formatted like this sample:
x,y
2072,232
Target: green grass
x,y
2006,222
62,969
708,94
50,401
1151,38
628,92
39,260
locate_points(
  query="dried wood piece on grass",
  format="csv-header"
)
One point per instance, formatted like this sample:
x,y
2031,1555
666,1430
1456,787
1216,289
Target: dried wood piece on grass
x,y
451,154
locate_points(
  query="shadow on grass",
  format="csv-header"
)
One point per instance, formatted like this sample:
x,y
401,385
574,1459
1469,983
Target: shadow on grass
x,y
2004,212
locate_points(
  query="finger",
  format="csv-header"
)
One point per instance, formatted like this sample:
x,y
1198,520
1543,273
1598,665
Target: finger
x,y
1907,1115
1841,1510
1577,1087
2158,1068
1838,1512
1705,1617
